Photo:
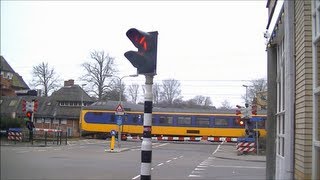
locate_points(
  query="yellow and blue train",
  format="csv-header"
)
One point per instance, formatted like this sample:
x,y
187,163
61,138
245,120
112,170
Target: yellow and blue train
x,y
168,122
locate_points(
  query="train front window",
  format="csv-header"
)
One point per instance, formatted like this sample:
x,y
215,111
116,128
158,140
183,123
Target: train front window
x,y
165,120
184,120
202,121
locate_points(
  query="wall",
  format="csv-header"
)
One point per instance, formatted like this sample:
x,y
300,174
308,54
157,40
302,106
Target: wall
x,y
303,99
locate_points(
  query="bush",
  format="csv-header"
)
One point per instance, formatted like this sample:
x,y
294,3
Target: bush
x,y
7,122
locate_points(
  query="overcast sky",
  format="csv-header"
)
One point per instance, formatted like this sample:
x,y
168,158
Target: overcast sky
x,y
211,47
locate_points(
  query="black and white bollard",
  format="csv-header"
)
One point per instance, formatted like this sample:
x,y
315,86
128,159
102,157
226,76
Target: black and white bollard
x,y
146,146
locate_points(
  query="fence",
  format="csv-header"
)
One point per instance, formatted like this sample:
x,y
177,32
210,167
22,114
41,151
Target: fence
x,y
41,137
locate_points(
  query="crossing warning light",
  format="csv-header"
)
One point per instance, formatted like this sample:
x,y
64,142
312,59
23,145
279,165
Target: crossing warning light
x,y
145,59
29,115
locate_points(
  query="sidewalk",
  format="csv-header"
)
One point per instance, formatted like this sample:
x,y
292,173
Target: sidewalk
x,y
229,151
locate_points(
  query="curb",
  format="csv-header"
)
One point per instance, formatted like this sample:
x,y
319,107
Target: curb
x,y
239,159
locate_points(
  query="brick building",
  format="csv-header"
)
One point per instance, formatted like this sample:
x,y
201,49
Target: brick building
x,y
293,47
59,111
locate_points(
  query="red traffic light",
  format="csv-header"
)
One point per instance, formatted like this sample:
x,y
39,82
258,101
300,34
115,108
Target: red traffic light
x,y
140,39
145,59
29,115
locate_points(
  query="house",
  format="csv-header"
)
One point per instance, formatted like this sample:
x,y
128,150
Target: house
x,y
293,50
10,81
59,111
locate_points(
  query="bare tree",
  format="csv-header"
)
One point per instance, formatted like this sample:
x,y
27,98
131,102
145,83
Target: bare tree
x,y
133,92
258,87
170,90
97,72
113,91
225,105
156,93
46,77
199,100
207,101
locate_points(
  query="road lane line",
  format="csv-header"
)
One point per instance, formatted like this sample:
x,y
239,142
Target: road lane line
x,y
217,148
168,161
160,164
200,166
194,175
199,169
136,177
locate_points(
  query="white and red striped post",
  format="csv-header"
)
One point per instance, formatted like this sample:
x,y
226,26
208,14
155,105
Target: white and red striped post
x,y
146,146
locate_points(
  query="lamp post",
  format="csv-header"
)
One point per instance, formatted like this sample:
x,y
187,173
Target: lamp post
x,y
246,86
80,124
120,101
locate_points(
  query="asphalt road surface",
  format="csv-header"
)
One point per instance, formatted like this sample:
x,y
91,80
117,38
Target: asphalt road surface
x,y
88,159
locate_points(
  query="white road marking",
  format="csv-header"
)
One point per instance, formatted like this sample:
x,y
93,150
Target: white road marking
x,y
168,161
136,177
160,164
199,169
193,175
202,166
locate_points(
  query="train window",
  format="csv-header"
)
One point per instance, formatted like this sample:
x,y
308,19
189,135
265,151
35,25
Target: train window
x,y
165,120
99,117
220,122
154,120
113,118
184,120
137,119
202,121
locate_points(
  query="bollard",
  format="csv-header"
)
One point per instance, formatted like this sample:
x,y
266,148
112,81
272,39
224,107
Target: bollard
x,y
60,134
45,138
112,142
66,138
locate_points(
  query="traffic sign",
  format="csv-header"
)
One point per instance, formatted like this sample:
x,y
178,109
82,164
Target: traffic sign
x,y
119,120
113,132
119,110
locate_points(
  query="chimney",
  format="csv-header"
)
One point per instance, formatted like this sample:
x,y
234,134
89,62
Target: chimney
x,y
70,82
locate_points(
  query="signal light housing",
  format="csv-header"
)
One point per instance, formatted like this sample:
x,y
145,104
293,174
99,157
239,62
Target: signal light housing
x,y
29,115
145,59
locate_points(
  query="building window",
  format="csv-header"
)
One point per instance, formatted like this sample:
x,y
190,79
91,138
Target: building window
x,y
47,120
280,116
63,121
13,102
69,132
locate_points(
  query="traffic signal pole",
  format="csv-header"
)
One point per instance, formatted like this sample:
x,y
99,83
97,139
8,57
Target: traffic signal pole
x,y
145,60
146,146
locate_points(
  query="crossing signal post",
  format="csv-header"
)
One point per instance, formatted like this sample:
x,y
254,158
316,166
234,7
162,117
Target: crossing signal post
x,y
145,60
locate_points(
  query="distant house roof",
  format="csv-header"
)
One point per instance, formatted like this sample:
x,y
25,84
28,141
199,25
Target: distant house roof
x,y
17,81
48,107
71,93
4,66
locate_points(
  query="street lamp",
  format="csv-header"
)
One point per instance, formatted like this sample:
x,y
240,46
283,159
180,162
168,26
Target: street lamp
x,y
120,100
246,86
80,124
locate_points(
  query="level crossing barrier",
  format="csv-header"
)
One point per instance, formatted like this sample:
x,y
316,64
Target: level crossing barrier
x,y
246,145
15,134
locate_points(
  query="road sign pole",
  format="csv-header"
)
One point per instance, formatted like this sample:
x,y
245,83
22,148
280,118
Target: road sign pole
x,y
119,112
146,146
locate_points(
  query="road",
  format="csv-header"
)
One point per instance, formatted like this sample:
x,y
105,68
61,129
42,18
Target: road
x,y
89,160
